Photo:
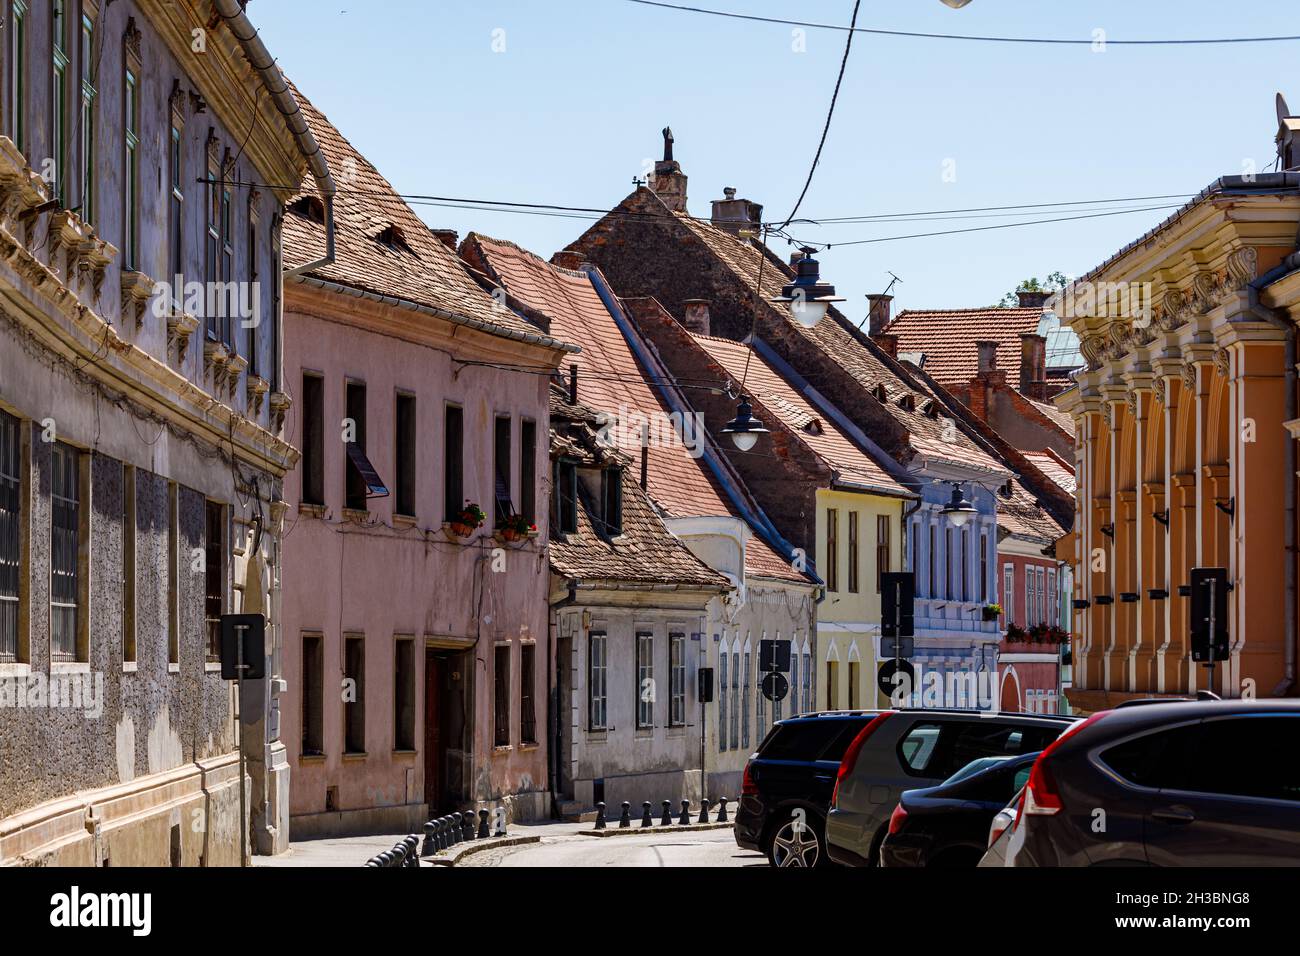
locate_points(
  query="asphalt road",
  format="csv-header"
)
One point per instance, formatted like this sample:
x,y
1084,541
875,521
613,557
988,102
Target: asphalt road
x,y
703,848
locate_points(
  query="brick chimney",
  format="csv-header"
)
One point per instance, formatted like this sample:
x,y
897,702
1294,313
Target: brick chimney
x,y
668,181
988,356
888,342
1033,364
794,258
1033,300
570,259
448,237
696,316
879,313
734,214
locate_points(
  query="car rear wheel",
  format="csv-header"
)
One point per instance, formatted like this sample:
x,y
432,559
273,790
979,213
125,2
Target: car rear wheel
x,y
796,843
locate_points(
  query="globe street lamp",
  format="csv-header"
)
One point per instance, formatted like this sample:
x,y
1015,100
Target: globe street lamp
x,y
958,510
807,296
744,429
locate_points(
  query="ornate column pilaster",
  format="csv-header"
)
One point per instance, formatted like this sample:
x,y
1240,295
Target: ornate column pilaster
x,y
1144,534
1168,384
1118,541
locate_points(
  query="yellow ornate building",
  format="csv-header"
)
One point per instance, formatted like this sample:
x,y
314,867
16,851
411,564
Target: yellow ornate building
x,y
1186,428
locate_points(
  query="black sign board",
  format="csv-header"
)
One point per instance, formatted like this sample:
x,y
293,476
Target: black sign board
x,y
1209,602
773,655
903,647
891,677
252,629
897,603
706,685
775,686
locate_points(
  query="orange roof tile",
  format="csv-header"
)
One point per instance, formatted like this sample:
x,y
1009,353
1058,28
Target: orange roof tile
x,y
948,337
1053,467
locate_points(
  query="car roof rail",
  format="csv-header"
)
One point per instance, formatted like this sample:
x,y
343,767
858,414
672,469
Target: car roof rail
x,y
1202,695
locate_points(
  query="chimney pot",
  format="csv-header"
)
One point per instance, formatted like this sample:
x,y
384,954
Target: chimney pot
x,y
1033,300
879,313
1033,364
988,355
734,214
695,316
448,237
570,259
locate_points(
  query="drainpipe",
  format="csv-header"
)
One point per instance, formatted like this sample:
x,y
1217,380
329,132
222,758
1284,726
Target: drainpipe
x,y
262,61
1271,316
552,712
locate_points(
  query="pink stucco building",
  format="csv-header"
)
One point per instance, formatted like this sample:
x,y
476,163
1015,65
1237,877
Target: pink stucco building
x,y
416,657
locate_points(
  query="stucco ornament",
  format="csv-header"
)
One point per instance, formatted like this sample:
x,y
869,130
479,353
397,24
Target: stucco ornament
x,y
1223,362
1189,375
1091,346
1131,399
1162,395
1242,267
1205,289
1175,306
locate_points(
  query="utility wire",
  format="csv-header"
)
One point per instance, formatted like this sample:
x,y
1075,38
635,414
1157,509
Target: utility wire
x,y
1056,41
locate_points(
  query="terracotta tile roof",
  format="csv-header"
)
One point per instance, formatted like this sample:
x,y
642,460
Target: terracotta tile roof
x,y
1051,465
1061,420
832,336
381,245
823,437
646,552
611,379
1021,516
948,337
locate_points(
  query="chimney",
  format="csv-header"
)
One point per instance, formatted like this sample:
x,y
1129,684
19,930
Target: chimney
x,y
570,259
734,214
988,356
1033,300
879,313
1033,363
696,317
888,343
448,237
668,181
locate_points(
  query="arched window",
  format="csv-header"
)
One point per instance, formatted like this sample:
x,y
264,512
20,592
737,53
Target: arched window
x,y
808,703
744,700
794,680
722,697
735,694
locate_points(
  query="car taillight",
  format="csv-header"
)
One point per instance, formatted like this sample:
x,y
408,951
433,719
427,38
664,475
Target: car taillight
x,y
1041,796
747,786
897,819
850,758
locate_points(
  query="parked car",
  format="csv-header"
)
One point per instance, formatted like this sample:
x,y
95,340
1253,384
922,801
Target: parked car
x,y
1000,834
906,749
787,786
1185,783
948,825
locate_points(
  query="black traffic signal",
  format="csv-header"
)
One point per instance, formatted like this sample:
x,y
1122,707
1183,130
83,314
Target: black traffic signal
x,y
1209,604
897,603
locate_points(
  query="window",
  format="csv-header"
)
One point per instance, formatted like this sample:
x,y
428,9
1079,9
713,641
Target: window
x,y
528,470
761,715
313,440
832,549
1029,596
1040,584
131,169
611,501
65,547
176,210
18,76
597,687
965,564
735,695
501,695
254,281
212,244
501,470
932,579
354,695
794,680
355,481
404,443
527,693
853,552
808,703
853,685
677,680
59,104
313,678
566,496
938,750
882,548
404,694
1052,600
10,535
832,685
229,307
128,563
722,697
214,591
645,679
984,569
173,574
87,57
453,463
747,689
1008,592
947,563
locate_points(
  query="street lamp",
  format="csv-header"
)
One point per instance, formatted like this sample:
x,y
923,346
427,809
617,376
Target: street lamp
x,y
955,4
744,429
958,510
807,296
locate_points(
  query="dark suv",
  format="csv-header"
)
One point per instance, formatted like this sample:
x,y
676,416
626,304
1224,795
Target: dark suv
x,y
905,749
787,786
1185,783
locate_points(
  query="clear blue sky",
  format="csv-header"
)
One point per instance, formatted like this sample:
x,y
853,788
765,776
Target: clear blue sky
x,y
571,110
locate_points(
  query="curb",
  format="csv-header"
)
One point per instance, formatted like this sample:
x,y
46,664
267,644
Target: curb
x,y
658,828
457,853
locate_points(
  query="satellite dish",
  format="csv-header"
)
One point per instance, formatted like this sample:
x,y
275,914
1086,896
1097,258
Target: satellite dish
x,y
1283,111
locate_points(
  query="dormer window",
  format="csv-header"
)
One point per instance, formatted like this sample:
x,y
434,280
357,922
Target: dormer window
x,y
309,207
931,410
880,394
611,501
907,403
564,502
814,426
394,239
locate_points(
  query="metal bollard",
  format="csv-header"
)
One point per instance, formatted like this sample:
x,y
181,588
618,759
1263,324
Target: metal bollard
x,y
444,832
600,815
467,826
482,824
722,810
685,818
455,827
667,819
428,849
704,810
412,847
625,820
646,820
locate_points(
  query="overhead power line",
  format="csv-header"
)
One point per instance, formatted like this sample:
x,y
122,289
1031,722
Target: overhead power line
x,y
1055,41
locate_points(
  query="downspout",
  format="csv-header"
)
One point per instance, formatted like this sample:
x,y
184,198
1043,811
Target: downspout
x,y
1271,316
262,61
552,711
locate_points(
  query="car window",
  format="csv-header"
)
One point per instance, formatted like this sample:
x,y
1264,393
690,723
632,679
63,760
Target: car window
x,y
840,743
974,767
810,739
918,746
1155,760
940,749
1022,778
1249,756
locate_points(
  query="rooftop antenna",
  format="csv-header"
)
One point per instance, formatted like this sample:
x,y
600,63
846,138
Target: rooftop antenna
x,y
894,280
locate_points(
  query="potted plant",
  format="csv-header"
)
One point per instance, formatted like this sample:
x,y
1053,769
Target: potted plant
x,y
465,521
1016,634
992,612
517,528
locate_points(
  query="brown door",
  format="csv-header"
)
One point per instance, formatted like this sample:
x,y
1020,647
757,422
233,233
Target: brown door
x,y
435,747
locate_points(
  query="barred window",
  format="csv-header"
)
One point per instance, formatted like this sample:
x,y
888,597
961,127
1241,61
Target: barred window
x,y
527,705
214,591
677,679
597,666
722,698
501,695
645,680
65,545
735,699
794,683
10,556
808,703
744,700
